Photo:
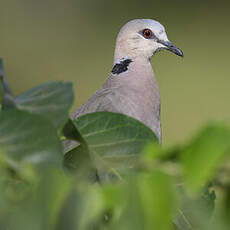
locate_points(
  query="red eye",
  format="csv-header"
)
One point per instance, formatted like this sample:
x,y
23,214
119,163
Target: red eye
x,y
147,33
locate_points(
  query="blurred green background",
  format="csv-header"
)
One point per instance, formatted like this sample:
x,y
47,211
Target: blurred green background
x,y
73,40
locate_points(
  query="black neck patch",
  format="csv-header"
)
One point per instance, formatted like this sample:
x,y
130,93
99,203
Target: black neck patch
x,y
121,67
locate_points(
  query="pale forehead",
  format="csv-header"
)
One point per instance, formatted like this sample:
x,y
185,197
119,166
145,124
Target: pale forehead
x,y
139,24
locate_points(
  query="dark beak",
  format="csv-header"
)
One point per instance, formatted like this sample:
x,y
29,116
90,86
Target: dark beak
x,y
171,47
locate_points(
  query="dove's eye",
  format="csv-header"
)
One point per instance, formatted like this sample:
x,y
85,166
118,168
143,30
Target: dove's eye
x,y
147,33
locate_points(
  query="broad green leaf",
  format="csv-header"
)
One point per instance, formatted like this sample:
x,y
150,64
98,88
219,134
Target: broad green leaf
x,y
68,217
51,100
83,209
92,207
158,152
41,207
151,202
194,211
78,158
55,186
145,201
114,140
25,137
71,132
72,135
160,157
158,200
204,154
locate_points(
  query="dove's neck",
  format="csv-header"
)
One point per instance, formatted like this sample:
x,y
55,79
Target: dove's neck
x,y
134,67
137,90
119,57
136,73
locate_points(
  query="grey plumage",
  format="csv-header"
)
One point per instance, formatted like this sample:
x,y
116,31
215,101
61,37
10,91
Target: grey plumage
x,y
132,88
133,92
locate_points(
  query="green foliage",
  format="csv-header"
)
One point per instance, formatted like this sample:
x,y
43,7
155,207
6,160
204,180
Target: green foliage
x,y
49,100
26,137
114,141
204,155
153,198
110,173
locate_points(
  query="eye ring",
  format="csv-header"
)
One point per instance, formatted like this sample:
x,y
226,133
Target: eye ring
x,y
147,33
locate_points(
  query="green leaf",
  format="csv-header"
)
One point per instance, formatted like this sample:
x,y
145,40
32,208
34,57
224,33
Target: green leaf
x,y
76,158
51,100
73,136
71,132
53,190
194,211
40,207
92,208
163,153
158,200
79,160
83,209
114,140
204,154
25,137
150,202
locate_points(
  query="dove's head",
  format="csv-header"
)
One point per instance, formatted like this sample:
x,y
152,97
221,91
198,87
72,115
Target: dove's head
x,y
143,38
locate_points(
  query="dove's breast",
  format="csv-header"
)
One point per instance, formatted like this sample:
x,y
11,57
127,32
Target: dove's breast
x,y
132,93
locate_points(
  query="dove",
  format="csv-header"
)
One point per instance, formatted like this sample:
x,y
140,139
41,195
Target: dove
x,y
132,88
